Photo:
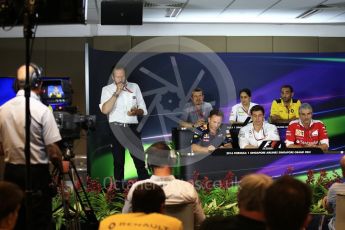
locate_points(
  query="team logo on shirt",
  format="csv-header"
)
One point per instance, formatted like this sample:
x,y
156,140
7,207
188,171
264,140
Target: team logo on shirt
x,y
206,138
299,133
315,133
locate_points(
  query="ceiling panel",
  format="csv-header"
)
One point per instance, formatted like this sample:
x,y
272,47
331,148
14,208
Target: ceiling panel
x,y
233,11
207,4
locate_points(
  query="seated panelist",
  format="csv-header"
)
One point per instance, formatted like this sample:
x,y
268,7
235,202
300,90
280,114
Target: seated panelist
x,y
196,112
241,111
285,109
252,135
212,135
306,132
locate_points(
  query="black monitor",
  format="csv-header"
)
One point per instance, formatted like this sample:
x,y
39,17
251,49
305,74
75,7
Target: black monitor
x,y
48,12
56,92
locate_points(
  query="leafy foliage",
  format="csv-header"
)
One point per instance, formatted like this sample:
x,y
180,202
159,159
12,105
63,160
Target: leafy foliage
x,y
103,202
218,198
319,186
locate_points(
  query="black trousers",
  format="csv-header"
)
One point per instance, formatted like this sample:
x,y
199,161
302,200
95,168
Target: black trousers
x,y
41,210
127,137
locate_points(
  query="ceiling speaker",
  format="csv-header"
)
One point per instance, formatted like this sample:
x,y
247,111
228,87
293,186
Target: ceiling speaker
x,y
122,12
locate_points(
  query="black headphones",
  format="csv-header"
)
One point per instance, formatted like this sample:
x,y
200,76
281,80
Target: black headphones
x,y
34,79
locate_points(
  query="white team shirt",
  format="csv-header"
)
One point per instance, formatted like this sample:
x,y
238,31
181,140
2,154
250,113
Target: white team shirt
x,y
129,97
176,192
43,130
238,112
248,136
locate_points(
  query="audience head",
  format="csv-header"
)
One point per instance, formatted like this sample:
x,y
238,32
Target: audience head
x,y
148,198
159,155
287,204
257,113
197,96
215,119
286,93
305,114
245,96
251,192
34,77
11,197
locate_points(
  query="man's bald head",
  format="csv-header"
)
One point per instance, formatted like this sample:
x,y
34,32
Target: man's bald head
x,y
21,73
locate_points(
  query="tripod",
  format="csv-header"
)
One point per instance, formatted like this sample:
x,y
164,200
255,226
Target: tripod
x,y
72,215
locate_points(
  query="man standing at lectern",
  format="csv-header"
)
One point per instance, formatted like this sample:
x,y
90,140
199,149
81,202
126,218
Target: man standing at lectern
x,y
306,132
123,102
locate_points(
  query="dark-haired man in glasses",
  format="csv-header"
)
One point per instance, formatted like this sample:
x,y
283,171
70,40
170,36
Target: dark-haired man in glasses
x,y
252,135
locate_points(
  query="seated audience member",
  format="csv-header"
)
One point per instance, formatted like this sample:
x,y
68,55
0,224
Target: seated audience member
x,y
252,135
241,111
195,113
306,132
250,197
285,109
336,188
148,204
212,135
176,191
287,203
11,197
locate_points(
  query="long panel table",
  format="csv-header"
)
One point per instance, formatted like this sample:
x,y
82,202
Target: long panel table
x,y
241,162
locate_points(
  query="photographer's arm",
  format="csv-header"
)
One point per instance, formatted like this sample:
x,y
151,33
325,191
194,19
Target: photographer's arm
x,y
55,155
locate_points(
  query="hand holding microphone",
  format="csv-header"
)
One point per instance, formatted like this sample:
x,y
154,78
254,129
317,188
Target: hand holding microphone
x,y
119,87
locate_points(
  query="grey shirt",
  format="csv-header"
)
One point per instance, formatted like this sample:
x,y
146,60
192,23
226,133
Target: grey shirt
x,y
191,115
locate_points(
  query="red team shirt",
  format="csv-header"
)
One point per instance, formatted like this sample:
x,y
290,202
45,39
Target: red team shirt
x,y
298,135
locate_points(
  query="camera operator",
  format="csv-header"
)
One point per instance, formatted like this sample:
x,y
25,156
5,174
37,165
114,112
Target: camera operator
x,y
43,138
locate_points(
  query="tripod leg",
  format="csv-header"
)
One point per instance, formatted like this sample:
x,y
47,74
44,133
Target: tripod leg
x,y
89,212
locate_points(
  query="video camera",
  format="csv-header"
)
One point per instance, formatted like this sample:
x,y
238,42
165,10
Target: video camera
x,y
57,94
71,124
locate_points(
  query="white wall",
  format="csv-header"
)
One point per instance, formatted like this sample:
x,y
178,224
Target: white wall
x,y
164,29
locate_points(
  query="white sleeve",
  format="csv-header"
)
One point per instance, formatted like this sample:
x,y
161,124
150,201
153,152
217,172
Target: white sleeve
x,y
325,141
242,140
199,214
274,134
127,207
233,113
50,131
106,94
140,100
287,143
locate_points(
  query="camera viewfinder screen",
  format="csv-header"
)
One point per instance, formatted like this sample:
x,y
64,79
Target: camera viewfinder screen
x,y
55,91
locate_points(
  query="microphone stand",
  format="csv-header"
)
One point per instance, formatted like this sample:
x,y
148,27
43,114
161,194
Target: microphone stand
x,y
28,28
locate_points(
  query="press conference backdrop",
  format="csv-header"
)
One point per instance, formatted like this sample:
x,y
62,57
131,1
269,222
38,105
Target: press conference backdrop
x,y
167,78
